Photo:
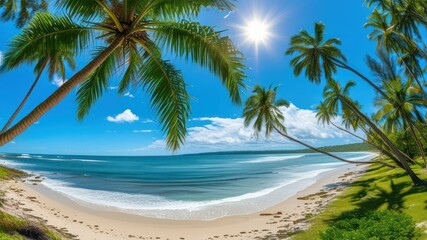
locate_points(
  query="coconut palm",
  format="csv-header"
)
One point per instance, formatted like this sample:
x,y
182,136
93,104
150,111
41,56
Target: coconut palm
x,y
21,11
130,35
327,117
406,15
54,62
398,93
390,39
336,95
317,56
404,111
262,111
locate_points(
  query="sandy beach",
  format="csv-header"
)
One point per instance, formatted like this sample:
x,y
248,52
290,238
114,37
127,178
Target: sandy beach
x,y
31,198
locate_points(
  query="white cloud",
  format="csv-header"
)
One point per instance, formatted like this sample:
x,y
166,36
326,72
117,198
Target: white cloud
x,y
128,94
143,131
147,121
113,88
58,81
228,133
1,57
126,116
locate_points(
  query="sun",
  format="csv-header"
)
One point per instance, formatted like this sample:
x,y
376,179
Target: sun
x,y
257,31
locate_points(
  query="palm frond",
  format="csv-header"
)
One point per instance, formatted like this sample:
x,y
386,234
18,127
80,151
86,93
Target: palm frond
x,y
169,97
93,88
45,34
205,47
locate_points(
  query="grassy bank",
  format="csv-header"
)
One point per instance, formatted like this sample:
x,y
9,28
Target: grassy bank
x,y
18,228
379,189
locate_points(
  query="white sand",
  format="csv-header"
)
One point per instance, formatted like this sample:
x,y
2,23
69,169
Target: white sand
x,y
26,198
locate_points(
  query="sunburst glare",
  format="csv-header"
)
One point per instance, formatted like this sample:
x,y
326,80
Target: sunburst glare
x,y
257,31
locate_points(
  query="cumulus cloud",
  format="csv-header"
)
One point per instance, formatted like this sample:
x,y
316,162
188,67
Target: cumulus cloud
x,y
58,81
224,133
128,94
113,87
125,117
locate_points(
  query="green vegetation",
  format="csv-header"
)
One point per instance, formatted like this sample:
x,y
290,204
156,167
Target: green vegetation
x,y
372,225
380,189
9,173
17,228
354,147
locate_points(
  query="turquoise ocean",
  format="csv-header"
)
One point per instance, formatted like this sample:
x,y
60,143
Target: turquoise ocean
x,y
183,187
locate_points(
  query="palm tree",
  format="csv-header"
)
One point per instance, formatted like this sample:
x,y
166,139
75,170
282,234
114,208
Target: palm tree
x,y
393,41
21,11
317,56
404,111
262,111
335,95
398,93
132,35
406,15
326,117
55,62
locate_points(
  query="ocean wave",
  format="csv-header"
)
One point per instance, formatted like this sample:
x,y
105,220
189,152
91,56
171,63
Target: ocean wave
x,y
24,155
53,159
366,157
88,160
273,159
161,207
14,164
329,164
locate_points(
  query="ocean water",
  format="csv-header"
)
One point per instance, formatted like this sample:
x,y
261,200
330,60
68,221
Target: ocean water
x,y
188,187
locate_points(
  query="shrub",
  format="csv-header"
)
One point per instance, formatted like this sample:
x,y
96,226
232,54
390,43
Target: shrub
x,y
379,225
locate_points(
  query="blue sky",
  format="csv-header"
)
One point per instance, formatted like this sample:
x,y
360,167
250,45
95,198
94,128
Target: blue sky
x,y
125,125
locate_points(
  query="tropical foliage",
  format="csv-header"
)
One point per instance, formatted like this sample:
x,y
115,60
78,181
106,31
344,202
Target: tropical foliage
x,y
399,75
127,35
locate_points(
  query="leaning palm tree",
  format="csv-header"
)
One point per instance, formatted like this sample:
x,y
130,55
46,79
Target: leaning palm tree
x,y
262,111
130,34
327,117
55,62
404,112
404,99
318,56
335,95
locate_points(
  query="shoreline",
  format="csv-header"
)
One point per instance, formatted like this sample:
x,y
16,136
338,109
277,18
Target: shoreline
x,y
30,198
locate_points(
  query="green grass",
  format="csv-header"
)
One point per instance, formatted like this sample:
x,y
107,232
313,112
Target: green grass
x,y
8,173
379,189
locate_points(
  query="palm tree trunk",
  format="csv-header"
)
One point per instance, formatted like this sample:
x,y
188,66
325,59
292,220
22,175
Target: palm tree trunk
x,y
15,114
408,159
415,179
326,153
345,66
382,150
59,94
419,145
